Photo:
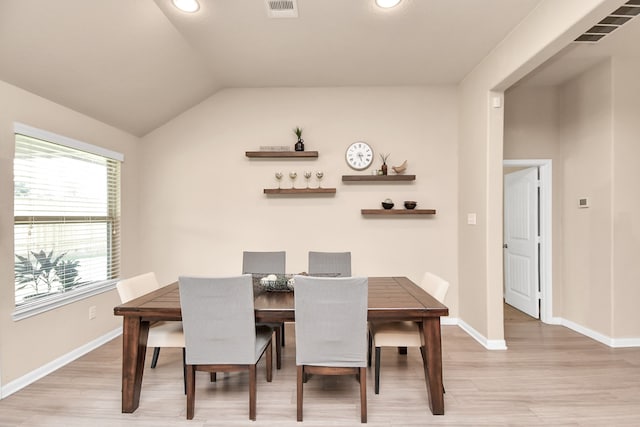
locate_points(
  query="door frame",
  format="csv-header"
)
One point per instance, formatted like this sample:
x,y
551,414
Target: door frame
x,y
545,216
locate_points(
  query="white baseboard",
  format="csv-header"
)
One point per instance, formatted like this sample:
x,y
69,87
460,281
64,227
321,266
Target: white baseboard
x,y
625,342
601,338
486,343
554,321
608,341
45,370
446,320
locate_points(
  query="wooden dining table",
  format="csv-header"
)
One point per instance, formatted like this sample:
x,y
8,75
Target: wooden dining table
x,y
390,298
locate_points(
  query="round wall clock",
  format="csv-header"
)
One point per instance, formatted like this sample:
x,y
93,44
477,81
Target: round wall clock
x,y
359,155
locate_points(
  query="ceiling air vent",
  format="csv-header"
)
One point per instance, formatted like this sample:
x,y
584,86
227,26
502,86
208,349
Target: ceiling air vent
x,y
282,8
609,23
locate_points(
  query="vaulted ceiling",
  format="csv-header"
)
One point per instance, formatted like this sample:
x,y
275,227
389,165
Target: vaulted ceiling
x,y
135,64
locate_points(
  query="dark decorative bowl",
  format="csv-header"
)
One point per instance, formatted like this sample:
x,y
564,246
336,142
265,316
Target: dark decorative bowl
x,y
387,205
410,204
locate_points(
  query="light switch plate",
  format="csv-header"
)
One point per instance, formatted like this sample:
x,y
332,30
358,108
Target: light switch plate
x,y
471,218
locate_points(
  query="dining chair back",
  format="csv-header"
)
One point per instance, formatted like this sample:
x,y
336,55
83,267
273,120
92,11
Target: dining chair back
x,y
264,262
435,285
137,286
403,334
331,330
328,263
220,331
161,334
268,263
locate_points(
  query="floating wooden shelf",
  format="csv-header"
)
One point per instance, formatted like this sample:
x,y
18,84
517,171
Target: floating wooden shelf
x,y
377,178
281,154
299,191
398,211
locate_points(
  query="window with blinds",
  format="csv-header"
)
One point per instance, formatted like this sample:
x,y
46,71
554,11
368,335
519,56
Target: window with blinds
x,y
67,216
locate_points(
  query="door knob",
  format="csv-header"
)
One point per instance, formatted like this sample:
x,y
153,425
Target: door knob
x,y
505,246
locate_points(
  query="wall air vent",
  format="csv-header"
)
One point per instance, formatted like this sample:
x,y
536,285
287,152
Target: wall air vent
x,y
282,8
609,23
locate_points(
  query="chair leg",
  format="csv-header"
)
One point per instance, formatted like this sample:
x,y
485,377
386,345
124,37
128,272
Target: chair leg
x,y
282,327
184,368
191,391
279,339
363,395
154,359
299,392
252,392
269,361
369,349
377,375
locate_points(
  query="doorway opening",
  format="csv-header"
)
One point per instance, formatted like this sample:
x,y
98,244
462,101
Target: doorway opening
x,y
544,223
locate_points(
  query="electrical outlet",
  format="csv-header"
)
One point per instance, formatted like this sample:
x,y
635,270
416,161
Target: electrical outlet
x,y
92,312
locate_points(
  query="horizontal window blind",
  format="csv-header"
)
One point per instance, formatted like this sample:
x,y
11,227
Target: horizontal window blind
x,y
67,219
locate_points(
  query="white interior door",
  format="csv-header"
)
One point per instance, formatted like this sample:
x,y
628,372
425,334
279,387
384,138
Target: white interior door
x,y
521,240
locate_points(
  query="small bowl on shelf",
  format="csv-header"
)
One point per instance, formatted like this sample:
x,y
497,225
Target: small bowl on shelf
x,y
410,204
387,204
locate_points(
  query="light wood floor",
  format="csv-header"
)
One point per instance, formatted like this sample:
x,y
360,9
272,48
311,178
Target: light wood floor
x,y
548,376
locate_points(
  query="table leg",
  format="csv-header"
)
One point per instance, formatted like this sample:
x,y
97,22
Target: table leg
x,y
433,363
134,348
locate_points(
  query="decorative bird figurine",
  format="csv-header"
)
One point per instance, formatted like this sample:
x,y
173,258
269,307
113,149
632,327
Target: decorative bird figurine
x,y
401,168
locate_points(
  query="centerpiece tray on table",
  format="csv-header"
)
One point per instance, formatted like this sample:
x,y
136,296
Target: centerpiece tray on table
x,y
274,282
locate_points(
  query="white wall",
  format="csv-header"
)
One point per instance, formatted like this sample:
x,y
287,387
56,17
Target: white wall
x,y
28,344
586,138
202,199
626,197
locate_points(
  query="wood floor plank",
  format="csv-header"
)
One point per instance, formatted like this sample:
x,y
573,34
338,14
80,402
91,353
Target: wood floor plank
x,y
549,375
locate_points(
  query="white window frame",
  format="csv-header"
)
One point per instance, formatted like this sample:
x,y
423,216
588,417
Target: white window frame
x,y
35,308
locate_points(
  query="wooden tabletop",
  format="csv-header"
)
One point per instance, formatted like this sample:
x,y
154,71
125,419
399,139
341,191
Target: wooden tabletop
x,y
389,298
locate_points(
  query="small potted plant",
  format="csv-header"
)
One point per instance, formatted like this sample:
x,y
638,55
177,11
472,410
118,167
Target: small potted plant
x,y
300,144
384,158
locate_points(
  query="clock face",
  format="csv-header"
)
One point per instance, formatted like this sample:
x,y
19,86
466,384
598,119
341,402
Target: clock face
x,y
359,155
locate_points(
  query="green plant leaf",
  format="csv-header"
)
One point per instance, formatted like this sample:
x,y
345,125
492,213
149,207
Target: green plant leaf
x,y
48,270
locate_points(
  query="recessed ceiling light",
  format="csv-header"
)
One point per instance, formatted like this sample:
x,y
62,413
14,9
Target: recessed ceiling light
x,y
187,5
387,3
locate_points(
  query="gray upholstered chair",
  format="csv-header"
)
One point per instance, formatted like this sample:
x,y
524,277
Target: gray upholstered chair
x,y
265,263
331,330
220,331
325,263
161,334
404,334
